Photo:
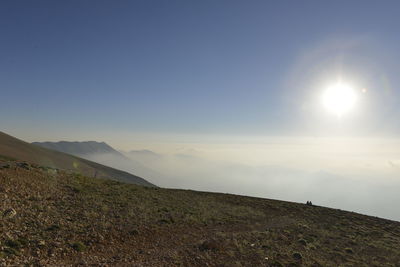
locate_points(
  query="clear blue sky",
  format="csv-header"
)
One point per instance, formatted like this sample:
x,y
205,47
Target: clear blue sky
x,y
202,67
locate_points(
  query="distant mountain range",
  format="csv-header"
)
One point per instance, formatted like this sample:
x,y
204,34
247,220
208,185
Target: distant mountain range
x,y
11,147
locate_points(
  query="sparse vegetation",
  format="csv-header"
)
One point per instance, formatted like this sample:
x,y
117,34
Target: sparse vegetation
x,y
61,215
349,250
78,246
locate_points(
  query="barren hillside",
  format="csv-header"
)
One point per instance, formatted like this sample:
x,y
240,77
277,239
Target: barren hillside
x,y
52,217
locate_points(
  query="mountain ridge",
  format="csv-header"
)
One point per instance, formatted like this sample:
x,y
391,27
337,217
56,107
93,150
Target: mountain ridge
x,y
15,148
104,154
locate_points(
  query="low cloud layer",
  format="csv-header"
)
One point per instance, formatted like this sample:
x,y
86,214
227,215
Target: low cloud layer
x,y
352,174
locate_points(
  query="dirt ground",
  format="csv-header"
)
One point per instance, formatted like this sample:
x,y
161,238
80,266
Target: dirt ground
x,y
50,217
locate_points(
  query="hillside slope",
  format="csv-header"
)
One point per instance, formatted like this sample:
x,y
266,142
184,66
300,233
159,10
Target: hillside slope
x,y
55,218
104,154
18,149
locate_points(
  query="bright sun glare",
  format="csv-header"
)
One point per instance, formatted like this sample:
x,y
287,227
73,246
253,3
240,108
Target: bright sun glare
x,y
339,99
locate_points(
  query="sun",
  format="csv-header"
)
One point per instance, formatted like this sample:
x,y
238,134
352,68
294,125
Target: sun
x,y
339,99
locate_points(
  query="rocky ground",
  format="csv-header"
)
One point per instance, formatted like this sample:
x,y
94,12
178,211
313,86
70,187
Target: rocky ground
x,y
50,217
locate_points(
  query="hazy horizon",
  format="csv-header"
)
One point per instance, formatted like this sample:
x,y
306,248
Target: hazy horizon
x,y
355,174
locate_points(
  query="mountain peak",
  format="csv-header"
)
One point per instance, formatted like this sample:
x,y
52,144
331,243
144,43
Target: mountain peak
x,y
13,148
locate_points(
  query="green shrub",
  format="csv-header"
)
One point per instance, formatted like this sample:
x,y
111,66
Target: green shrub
x,y
15,244
53,227
349,250
78,246
11,251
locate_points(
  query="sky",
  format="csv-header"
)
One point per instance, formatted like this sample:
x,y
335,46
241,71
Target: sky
x,y
231,85
71,68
